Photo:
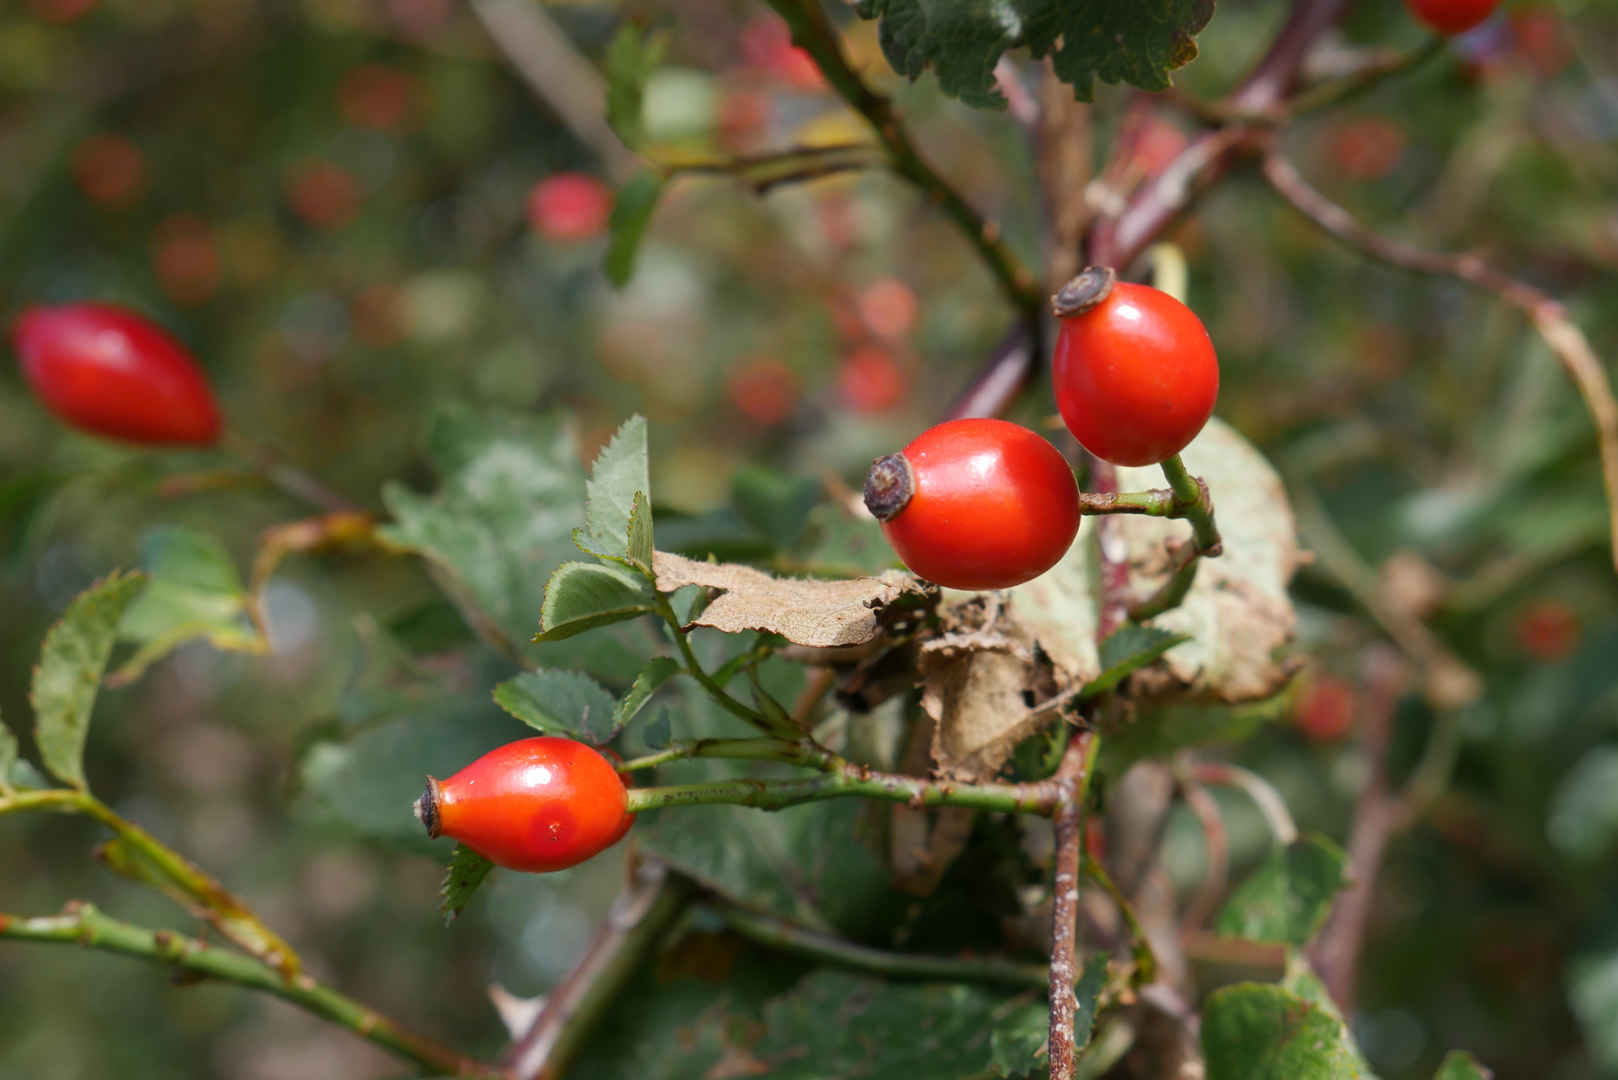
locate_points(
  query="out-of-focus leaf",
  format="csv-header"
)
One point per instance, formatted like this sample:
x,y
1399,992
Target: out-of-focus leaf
x,y
1163,730
631,213
1115,40
1592,992
466,871
1092,980
1253,1031
23,776
776,504
1289,896
631,58
619,473
560,703
891,1031
1583,820
8,756
512,492
192,591
582,596
69,672
365,785
642,548
1459,1065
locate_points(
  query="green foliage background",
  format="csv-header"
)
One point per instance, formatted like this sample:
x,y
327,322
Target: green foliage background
x,y
1416,415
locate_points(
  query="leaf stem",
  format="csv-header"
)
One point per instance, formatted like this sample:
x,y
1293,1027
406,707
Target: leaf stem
x,y
813,32
81,924
843,779
1264,796
1191,501
694,668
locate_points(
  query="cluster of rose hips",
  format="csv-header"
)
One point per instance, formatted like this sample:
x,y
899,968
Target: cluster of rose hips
x,y
988,504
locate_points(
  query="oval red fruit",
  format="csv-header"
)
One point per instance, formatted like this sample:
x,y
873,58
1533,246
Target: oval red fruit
x,y
1451,16
976,504
538,804
114,372
569,206
1135,374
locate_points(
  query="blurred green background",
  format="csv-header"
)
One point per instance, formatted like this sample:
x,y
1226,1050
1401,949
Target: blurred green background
x,y
331,202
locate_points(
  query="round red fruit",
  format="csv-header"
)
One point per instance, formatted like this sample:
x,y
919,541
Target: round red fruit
x,y
1134,371
1451,16
109,370
537,804
870,380
976,504
1327,710
569,206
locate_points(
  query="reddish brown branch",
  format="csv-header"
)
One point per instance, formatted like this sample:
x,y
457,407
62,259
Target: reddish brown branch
x,y
1565,340
1071,779
1216,849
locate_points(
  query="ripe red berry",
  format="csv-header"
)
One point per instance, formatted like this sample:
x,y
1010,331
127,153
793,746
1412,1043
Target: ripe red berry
x,y
111,371
538,804
569,206
976,504
1135,372
1451,16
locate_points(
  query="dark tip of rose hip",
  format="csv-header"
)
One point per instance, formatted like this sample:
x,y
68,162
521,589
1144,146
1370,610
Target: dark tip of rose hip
x,y
1093,285
888,486
426,808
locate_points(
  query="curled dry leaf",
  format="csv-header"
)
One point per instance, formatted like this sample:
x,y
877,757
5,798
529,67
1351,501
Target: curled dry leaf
x,y
1042,636
820,614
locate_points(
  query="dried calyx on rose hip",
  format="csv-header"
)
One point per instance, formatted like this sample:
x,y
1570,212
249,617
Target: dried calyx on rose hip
x,y
976,504
111,371
538,804
1134,371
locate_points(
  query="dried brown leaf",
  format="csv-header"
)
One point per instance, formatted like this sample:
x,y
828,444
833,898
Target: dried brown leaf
x,y
805,612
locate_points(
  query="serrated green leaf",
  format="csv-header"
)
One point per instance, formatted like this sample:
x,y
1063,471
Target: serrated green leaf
x,y
777,504
560,703
1289,896
1253,1031
69,673
1126,650
192,591
656,672
466,871
632,56
8,756
1092,980
1300,979
891,1031
502,519
1459,1065
581,596
631,213
1115,40
619,473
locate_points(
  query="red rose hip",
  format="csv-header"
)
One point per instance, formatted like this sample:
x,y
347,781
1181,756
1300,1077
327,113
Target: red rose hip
x,y
111,371
1134,371
538,804
1451,16
976,504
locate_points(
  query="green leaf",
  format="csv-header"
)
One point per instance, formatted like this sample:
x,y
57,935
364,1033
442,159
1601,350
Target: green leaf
x,y
618,475
641,548
657,671
1017,1043
834,1023
1459,1065
192,591
776,504
69,673
1289,896
631,58
560,703
1126,650
1092,980
659,734
1114,40
8,757
581,596
1592,993
631,213
25,777
1253,1031
510,496
466,871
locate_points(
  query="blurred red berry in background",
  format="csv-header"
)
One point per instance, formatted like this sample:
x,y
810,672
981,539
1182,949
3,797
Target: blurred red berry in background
x,y
569,206
764,390
110,170
870,380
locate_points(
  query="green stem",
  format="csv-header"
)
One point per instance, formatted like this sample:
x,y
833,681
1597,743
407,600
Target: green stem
x,y
781,934
814,33
146,859
1140,947
694,668
82,924
1191,501
765,748
845,780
